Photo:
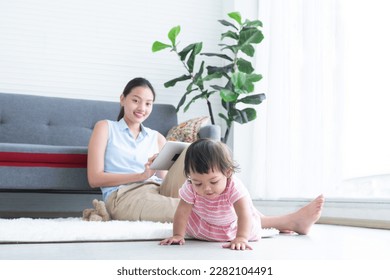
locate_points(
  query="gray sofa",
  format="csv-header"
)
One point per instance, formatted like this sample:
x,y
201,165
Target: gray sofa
x,y
43,151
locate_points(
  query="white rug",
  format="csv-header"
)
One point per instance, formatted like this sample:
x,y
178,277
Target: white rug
x,y
24,230
27,230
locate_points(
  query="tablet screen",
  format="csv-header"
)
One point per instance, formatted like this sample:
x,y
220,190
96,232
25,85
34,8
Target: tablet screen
x,y
168,155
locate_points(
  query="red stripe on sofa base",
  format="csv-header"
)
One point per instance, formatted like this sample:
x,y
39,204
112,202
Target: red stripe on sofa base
x,y
42,164
43,160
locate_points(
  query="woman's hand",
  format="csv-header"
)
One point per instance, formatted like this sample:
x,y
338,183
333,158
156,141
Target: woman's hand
x,y
238,243
174,240
149,172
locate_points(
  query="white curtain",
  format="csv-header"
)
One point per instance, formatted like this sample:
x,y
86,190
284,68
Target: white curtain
x,y
299,60
323,128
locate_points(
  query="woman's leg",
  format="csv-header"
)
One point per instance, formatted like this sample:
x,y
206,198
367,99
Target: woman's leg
x,y
299,221
141,202
175,178
149,202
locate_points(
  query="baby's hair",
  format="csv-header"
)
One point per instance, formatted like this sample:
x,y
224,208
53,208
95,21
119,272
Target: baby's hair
x,y
205,155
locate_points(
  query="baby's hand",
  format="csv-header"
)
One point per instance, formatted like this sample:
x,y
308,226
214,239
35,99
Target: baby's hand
x,y
238,243
174,240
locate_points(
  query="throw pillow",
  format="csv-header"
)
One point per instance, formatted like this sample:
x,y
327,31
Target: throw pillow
x,y
187,131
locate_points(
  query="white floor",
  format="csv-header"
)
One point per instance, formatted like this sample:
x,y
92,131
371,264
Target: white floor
x,y
325,242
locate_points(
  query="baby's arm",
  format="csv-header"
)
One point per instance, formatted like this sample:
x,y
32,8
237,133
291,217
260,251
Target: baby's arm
x,y
179,224
244,224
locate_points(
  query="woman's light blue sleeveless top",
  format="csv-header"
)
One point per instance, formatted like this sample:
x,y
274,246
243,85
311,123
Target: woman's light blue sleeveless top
x,y
124,154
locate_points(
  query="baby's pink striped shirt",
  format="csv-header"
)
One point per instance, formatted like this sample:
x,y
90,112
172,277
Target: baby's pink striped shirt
x,y
215,219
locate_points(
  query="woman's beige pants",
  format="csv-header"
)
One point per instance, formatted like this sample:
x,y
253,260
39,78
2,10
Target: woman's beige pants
x,y
149,201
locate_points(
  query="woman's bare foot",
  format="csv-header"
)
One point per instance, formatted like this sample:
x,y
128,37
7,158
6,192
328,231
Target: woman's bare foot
x,y
299,221
304,218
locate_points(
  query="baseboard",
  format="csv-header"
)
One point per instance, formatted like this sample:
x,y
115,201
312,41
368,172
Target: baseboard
x,y
370,214
377,224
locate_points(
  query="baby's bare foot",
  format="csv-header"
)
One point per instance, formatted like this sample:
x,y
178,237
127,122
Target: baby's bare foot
x,y
305,217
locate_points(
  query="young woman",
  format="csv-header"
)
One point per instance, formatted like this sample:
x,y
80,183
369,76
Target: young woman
x,y
119,157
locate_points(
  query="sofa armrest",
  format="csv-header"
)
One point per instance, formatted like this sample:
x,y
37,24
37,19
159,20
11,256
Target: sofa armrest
x,y
211,131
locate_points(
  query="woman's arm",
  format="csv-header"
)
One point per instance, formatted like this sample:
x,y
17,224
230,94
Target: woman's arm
x,y
95,170
244,225
180,220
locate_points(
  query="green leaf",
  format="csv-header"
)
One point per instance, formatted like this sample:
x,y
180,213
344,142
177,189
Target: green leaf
x,y
173,82
198,77
226,23
254,77
191,60
250,80
228,95
250,36
184,52
224,56
201,95
181,102
225,69
236,16
216,87
248,50
209,93
192,49
244,83
183,99
213,76
253,23
238,79
158,46
245,116
172,34
233,48
244,66
189,86
254,99
228,122
230,34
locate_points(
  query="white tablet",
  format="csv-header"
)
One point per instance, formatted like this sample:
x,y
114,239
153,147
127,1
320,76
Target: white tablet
x,y
168,155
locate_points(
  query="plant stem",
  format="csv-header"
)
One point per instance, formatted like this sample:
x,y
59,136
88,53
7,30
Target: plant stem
x,y
225,138
210,112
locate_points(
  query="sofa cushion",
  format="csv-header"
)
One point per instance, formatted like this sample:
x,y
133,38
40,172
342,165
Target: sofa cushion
x,y
187,131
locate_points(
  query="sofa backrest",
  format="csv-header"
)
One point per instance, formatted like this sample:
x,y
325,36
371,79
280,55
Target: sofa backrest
x,y
59,121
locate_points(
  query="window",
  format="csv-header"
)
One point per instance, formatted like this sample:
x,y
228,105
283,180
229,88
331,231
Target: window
x,y
323,127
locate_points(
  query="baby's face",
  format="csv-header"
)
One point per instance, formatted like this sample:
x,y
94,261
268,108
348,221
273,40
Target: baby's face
x,y
210,184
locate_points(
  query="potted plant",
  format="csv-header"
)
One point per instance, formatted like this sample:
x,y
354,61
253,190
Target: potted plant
x,y
237,75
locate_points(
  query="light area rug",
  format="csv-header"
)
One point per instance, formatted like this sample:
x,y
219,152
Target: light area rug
x,y
29,230
24,230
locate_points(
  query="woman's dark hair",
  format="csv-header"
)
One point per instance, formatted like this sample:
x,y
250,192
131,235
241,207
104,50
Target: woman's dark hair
x,y
136,82
204,155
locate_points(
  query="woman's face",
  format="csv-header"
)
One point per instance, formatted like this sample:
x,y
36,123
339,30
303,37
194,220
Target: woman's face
x,y
138,105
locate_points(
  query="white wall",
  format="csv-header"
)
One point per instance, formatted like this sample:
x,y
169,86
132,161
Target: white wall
x,y
90,49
